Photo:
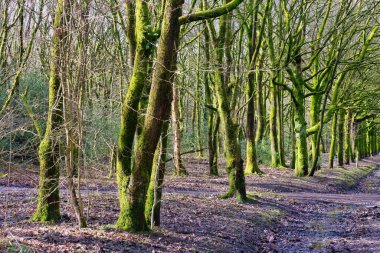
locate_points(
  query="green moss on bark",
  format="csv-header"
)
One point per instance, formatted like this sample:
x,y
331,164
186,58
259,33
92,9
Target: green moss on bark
x,y
341,137
132,215
333,141
48,153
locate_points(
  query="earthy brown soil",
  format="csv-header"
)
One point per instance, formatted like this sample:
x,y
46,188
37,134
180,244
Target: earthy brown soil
x,y
286,214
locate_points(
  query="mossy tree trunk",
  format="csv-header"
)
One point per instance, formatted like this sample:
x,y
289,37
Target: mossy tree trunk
x,y
302,163
297,90
368,139
315,103
353,134
318,84
154,196
340,151
132,213
129,114
275,134
293,139
180,169
254,45
260,102
4,32
333,141
212,116
198,110
280,129
229,126
273,131
133,190
251,163
347,138
48,194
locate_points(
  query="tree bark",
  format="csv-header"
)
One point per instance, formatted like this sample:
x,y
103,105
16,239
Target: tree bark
x,y
132,213
333,141
154,196
347,138
48,153
341,137
129,114
179,167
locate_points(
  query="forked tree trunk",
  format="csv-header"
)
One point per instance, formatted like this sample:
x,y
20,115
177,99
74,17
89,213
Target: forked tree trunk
x,y
132,212
133,189
229,127
129,114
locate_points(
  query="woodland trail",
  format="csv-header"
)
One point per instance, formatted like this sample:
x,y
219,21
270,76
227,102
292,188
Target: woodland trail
x,y
322,222
288,214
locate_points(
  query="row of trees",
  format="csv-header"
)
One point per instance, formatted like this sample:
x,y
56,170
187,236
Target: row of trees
x,y
242,71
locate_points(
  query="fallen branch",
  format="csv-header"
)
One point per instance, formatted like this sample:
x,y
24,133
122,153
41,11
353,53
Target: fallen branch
x,y
187,152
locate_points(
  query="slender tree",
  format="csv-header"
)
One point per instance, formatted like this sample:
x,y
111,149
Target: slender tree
x,y
48,153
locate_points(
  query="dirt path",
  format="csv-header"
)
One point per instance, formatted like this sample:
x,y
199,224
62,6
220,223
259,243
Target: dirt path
x,y
322,222
289,214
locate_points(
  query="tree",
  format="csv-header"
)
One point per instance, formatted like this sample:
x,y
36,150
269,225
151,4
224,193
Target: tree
x,y
133,188
48,153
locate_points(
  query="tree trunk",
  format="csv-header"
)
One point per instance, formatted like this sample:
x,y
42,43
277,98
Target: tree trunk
x,y
251,164
48,153
300,135
229,127
133,189
129,114
232,149
293,139
260,103
333,141
341,137
280,130
197,101
212,117
347,132
315,108
254,44
275,161
154,196
180,169
353,138
132,212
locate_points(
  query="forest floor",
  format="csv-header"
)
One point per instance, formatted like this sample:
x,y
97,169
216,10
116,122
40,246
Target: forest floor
x,y
338,210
